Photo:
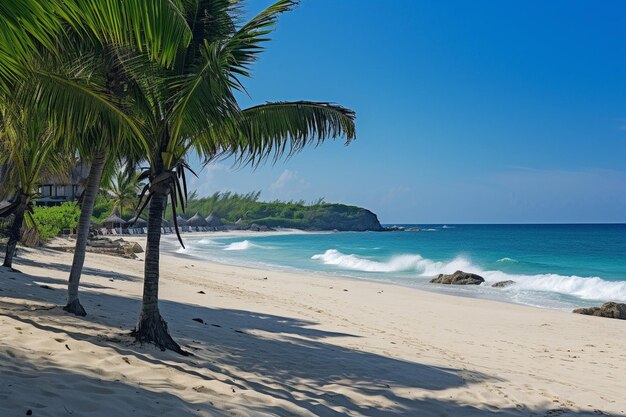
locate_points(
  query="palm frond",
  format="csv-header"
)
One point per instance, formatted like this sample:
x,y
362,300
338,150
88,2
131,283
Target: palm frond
x,y
158,26
246,44
77,106
202,93
275,129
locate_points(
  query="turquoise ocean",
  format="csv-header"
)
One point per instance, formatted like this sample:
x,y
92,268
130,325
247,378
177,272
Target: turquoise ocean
x,y
554,266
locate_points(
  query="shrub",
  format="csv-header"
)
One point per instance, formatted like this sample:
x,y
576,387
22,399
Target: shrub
x,y
51,220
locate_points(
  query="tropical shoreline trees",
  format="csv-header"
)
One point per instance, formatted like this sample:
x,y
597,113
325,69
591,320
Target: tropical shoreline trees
x,y
28,142
167,89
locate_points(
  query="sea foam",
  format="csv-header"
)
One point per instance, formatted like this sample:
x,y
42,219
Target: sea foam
x,y
590,288
507,260
243,245
399,263
207,241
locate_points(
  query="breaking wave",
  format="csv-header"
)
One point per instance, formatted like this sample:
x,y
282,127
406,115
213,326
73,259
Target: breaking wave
x,y
590,288
246,244
511,260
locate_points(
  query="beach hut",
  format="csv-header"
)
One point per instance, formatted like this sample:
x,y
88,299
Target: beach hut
x,y
114,221
197,221
137,222
181,221
213,221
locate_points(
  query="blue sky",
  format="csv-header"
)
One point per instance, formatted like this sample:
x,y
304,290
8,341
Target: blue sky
x,y
467,111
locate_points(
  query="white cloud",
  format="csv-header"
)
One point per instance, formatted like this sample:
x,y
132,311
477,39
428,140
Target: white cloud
x,y
209,178
287,184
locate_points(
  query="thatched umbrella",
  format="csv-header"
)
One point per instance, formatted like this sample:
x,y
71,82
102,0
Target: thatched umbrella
x,y
181,221
114,219
213,221
197,220
137,222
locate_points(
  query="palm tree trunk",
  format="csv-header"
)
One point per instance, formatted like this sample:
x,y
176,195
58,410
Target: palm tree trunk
x,y
151,328
82,233
15,232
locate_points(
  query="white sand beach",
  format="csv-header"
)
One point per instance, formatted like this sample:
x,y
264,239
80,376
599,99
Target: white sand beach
x,y
276,343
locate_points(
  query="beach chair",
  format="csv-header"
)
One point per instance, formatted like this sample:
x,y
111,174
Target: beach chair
x,y
145,230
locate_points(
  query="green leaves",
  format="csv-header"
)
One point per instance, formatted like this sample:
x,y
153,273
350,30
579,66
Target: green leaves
x,y
28,26
50,221
24,24
28,147
283,128
157,26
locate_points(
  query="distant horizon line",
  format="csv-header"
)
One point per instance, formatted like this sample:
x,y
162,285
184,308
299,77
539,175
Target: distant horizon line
x,y
502,224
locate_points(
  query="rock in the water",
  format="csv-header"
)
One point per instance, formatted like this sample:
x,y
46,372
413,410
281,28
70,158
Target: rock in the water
x,y
503,284
459,278
610,310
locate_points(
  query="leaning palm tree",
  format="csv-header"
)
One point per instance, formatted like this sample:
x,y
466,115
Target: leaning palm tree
x,y
82,86
191,107
27,150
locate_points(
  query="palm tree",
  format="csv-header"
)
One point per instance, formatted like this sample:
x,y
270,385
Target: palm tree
x,y
191,107
123,188
32,31
27,148
86,87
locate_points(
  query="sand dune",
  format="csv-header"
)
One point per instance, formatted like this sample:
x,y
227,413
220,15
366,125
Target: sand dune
x,y
275,343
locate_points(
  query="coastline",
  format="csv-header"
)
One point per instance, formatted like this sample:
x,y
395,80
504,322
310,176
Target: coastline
x,y
293,344
533,288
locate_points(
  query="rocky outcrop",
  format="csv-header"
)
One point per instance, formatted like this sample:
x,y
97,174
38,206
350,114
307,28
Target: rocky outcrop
x,y
256,228
610,310
503,284
458,278
106,246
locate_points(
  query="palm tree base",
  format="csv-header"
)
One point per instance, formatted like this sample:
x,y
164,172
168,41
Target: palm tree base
x,y
75,307
10,268
153,329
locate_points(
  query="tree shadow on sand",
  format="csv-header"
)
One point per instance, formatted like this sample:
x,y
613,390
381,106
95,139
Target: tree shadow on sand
x,y
54,391
283,358
96,272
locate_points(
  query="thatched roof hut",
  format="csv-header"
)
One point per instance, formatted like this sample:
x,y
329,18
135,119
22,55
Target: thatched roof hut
x,y
137,222
197,220
213,221
181,221
114,219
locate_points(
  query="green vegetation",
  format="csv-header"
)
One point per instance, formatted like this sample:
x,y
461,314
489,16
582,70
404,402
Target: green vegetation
x,y
318,215
50,221
145,84
102,208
